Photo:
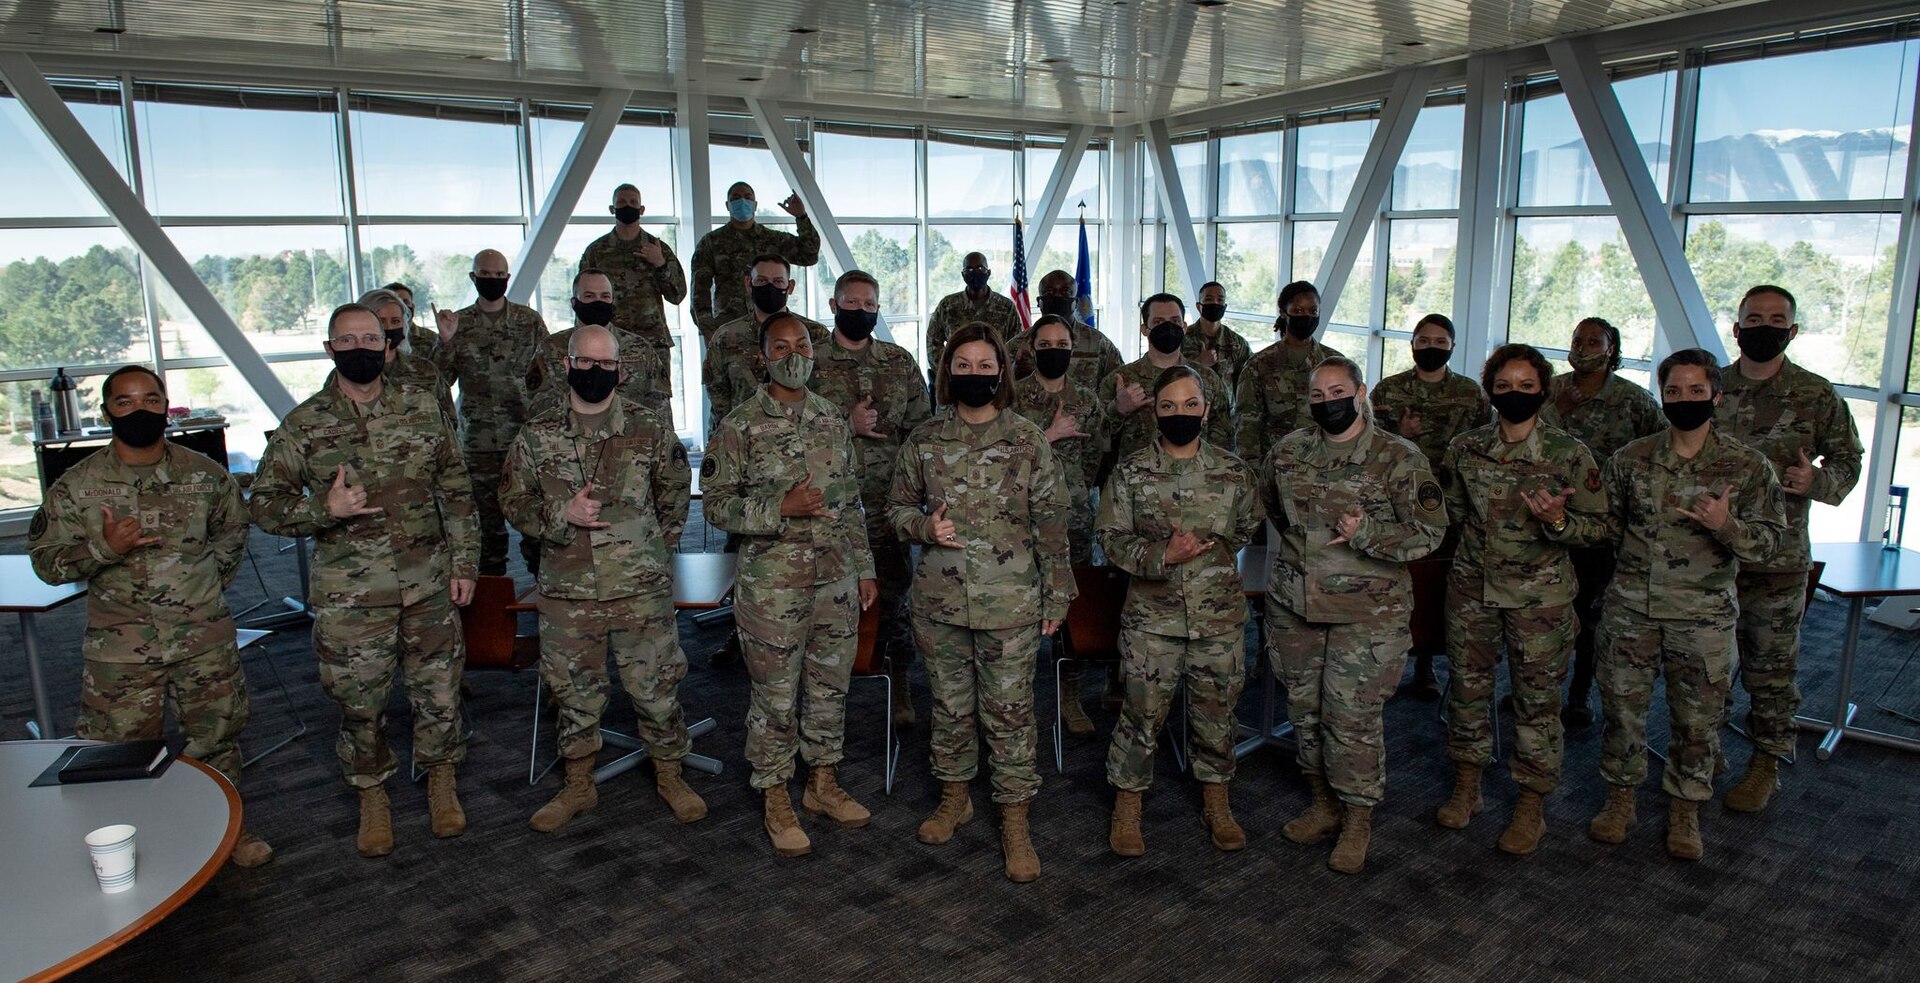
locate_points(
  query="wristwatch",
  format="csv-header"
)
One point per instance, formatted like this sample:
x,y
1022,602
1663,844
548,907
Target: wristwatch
x,y
1559,525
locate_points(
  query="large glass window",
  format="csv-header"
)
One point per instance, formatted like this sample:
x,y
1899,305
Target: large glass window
x,y
35,181
434,259
1250,175
277,283
441,157
1310,243
1329,161
948,245
1555,167
969,177
216,152
737,160
70,297
1428,175
640,154
866,176
1420,274
1569,268
890,253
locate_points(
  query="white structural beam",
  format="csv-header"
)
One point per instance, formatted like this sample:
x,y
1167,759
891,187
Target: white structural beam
x,y
696,219
565,193
1397,115
30,87
1884,444
1173,207
1124,239
793,164
1046,212
1645,222
1475,243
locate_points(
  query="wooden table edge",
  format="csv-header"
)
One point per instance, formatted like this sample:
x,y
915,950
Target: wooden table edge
x,y
173,901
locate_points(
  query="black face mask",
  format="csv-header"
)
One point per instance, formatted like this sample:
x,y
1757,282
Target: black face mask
x,y
1180,429
1166,336
1300,326
626,214
857,326
1057,306
1762,343
1052,362
592,312
592,384
1431,358
394,338
139,428
1515,406
360,366
1688,414
1334,415
490,287
769,298
976,280
1211,313
975,390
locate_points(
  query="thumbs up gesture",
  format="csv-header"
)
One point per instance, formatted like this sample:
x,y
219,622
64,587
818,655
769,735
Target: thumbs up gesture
x,y
346,501
583,509
865,419
1798,479
944,532
804,500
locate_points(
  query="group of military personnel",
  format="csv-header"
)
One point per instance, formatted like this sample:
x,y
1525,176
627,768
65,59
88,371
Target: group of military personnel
x,y
1583,522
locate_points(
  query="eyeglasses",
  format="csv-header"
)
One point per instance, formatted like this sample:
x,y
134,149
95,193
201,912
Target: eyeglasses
x,y
346,343
583,362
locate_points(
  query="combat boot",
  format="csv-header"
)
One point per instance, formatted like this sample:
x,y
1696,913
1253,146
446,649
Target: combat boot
x,y
825,797
902,698
1218,817
955,808
783,827
1424,685
443,803
1611,825
1350,852
1123,831
1071,709
250,851
1683,829
1016,843
1321,817
1526,827
686,804
1757,786
1465,803
578,795
376,823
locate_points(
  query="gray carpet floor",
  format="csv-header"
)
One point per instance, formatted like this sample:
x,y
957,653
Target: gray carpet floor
x,y
1820,886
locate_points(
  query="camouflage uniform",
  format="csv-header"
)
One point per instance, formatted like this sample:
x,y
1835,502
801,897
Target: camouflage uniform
x,y
956,310
606,587
157,619
797,600
381,583
1338,616
723,259
735,369
1512,582
887,374
1139,430
413,372
547,376
488,358
977,608
1078,457
641,293
1271,399
1447,409
1094,357
1671,609
1231,350
1186,622
1794,411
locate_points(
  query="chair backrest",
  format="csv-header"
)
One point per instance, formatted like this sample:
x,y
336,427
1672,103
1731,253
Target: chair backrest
x,y
1093,619
867,662
1429,620
492,631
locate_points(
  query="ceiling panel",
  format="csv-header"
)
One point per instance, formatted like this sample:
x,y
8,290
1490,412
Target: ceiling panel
x,y
1097,61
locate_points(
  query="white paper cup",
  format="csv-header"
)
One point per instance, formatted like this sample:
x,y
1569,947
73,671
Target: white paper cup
x,y
113,859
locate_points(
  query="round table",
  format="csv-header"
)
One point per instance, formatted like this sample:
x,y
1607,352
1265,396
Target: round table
x,y
57,920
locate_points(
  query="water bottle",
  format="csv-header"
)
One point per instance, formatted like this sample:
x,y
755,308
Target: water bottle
x,y
42,417
66,402
1896,517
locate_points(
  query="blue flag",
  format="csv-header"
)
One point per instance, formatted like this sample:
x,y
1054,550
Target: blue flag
x,y
1083,274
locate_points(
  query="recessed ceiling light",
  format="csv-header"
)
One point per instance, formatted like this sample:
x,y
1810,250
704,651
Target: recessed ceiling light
x,y
1232,85
1051,61
751,78
959,97
1209,3
1146,54
803,30
1413,44
109,30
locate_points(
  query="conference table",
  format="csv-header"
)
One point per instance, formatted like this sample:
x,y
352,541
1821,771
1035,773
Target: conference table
x,y
54,918
22,592
1857,571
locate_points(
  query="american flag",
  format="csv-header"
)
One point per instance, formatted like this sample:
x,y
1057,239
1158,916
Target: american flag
x,y
1018,291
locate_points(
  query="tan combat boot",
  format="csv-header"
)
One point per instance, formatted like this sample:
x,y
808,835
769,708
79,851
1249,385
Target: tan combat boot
x,y
1321,816
1016,842
825,797
1683,829
1071,709
1350,852
376,823
1123,832
578,795
1757,786
1465,803
1218,817
687,805
1526,827
783,827
955,808
902,699
443,803
250,851
1611,825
